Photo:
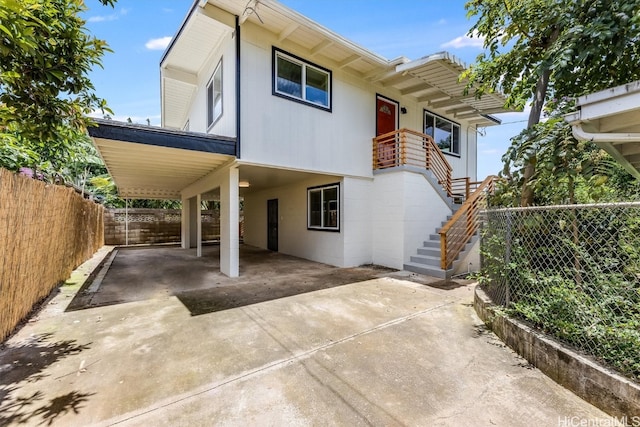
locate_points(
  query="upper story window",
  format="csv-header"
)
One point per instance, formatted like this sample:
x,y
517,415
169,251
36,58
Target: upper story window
x,y
444,132
324,208
302,81
214,96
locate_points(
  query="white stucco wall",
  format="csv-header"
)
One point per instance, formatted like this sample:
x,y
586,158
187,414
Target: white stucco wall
x,y
471,261
282,132
472,155
358,201
387,213
226,125
409,209
293,236
424,211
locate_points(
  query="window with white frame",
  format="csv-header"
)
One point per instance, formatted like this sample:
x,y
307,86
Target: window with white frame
x,y
300,80
324,208
214,96
444,132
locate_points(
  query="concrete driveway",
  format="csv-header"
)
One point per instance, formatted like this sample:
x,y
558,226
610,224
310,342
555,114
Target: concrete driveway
x,y
290,343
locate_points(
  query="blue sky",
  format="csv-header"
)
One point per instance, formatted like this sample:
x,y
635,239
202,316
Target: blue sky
x,y
138,31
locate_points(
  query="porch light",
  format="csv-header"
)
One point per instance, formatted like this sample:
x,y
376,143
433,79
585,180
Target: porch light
x,y
243,184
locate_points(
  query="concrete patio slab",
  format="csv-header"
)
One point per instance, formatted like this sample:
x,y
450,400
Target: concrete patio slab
x,y
375,351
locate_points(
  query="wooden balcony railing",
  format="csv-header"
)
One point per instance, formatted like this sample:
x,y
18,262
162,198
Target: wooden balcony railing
x,y
462,188
407,147
464,223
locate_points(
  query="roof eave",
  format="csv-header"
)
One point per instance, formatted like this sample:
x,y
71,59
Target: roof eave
x,y
163,137
180,30
326,32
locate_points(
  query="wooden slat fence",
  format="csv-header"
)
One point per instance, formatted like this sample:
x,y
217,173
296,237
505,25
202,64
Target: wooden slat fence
x,y
45,232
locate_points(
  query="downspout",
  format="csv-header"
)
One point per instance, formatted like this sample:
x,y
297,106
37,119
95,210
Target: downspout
x,y
238,87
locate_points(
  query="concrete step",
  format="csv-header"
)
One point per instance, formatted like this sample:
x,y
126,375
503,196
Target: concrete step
x,y
432,252
431,243
434,237
428,270
426,260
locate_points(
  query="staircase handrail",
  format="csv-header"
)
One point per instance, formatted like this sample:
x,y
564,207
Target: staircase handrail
x,y
449,248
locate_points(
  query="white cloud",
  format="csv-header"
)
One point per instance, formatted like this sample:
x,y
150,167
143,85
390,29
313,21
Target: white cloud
x,y
465,41
102,18
158,44
105,18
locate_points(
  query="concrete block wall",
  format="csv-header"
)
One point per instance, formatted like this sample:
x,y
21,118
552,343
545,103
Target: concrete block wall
x,y
149,226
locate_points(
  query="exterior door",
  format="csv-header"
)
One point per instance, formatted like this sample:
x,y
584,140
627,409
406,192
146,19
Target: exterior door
x,y
272,225
386,121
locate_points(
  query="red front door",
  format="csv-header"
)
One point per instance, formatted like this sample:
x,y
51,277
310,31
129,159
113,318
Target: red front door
x,y
386,121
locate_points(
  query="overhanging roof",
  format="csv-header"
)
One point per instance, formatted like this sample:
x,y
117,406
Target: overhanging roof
x,y
611,119
155,163
433,80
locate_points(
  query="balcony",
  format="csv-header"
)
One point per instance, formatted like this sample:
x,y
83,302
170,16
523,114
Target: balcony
x,y
404,147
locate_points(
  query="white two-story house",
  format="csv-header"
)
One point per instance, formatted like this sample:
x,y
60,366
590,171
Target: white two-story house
x,y
340,155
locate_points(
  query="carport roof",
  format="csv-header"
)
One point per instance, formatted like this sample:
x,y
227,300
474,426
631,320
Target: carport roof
x,y
148,162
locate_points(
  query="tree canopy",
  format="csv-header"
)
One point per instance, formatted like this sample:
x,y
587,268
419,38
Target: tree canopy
x,y
46,55
542,50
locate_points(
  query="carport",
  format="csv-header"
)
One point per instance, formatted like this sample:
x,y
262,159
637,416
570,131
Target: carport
x,y
158,163
134,274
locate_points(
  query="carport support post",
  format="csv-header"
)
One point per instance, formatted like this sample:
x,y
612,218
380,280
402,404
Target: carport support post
x,y
194,211
126,222
185,231
189,234
198,211
229,224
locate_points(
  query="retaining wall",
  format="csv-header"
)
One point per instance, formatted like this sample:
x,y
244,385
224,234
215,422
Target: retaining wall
x,y
598,385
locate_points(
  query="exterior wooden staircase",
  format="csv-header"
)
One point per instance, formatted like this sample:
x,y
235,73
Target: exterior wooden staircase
x,y
441,254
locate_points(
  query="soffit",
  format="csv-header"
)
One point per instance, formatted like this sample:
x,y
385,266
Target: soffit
x,y
260,178
182,65
613,111
143,169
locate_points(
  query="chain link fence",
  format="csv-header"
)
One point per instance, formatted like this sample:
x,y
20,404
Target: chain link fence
x,y
572,271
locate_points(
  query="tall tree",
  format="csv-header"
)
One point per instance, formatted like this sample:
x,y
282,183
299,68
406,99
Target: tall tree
x,y
46,55
567,170
543,49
